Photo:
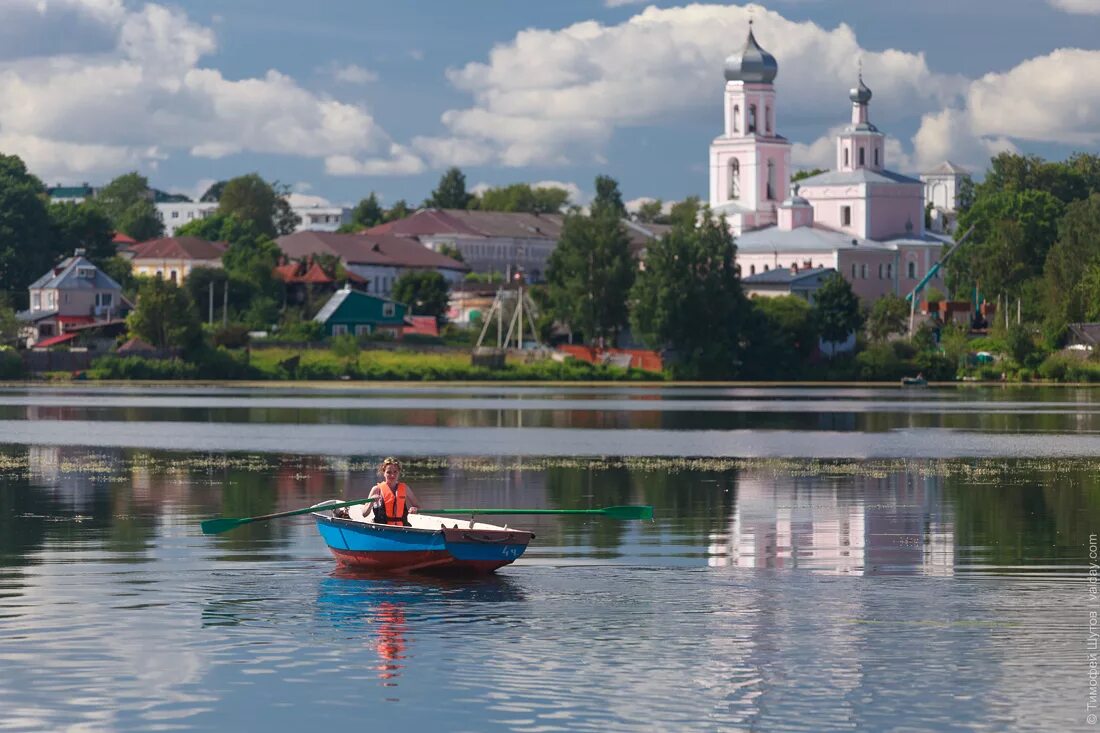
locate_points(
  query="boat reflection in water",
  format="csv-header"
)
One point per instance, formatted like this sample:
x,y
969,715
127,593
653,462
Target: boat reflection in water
x,y
897,525
383,610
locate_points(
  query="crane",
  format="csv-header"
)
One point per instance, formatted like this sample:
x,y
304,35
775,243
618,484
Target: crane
x,y
912,297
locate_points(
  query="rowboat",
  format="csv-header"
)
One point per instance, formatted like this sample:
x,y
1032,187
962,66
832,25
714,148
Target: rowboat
x,y
432,544
917,381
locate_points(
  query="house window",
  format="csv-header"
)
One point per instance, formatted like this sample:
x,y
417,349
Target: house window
x,y
752,118
104,299
172,276
771,179
175,215
912,270
735,179
36,302
736,118
363,329
339,329
861,156
388,309
846,216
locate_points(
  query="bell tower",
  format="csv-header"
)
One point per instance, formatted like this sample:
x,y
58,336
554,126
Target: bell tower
x,y
749,161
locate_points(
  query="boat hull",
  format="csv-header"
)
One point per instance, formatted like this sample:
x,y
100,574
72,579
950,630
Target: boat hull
x,y
451,549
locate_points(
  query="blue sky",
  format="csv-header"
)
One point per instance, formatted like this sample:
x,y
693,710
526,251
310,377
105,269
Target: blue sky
x,y
342,97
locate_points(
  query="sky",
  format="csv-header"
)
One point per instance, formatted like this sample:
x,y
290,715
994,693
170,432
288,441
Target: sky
x,y
340,98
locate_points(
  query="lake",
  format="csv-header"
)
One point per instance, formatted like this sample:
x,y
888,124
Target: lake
x,y
822,558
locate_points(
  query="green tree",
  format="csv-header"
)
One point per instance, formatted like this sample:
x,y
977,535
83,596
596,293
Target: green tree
x,y
252,199
782,337
686,212
889,314
1075,256
836,309
689,298
650,212
120,270
803,174
590,272
367,213
26,236
82,226
399,210
451,192
449,250
213,192
128,202
164,316
522,197
346,347
424,291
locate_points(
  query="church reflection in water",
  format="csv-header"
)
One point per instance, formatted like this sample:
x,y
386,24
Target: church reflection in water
x,y
899,524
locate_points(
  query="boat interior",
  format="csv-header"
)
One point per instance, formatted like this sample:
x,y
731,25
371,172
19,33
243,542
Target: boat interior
x,y
363,513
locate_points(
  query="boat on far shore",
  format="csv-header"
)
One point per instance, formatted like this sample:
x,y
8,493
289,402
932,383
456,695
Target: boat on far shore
x,y
917,381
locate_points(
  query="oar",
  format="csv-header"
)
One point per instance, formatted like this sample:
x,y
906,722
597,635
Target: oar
x,y
615,512
224,524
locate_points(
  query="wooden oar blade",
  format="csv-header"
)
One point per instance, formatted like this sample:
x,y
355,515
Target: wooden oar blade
x,y
219,525
629,512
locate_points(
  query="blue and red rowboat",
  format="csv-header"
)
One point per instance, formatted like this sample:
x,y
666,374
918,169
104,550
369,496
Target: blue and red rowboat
x,y
431,544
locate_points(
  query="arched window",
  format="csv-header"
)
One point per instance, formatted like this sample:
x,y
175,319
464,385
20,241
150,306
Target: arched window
x,y
853,271
752,269
768,119
890,270
880,271
737,118
735,179
863,271
861,157
846,160
876,157
752,118
771,179
912,270
765,268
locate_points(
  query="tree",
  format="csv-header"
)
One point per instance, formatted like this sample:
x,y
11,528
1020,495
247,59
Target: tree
x,y
252,199
82,226
26,237
128,202
836,309
889,314
686,212
522,197
451,191
650,212
1075,255
782,337
287,220
449,250
800,175
214,192
689,298
367,213
424,291
590,272
399,210
164,316
346,347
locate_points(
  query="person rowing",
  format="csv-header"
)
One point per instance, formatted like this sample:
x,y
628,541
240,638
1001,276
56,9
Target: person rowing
x,y
389,502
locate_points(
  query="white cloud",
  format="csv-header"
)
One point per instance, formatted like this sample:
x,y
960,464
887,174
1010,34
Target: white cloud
x,y
302,200
145,95
1077,7
353,74
401,162
557,96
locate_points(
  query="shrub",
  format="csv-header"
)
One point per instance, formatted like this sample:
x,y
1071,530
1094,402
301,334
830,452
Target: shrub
x,y
11,364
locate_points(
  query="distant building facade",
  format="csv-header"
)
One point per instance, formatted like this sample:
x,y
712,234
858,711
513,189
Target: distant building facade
x,y
73,293
173,258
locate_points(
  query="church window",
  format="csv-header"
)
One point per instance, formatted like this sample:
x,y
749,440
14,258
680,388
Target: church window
x,y
862,160
752,269
846,161
735,179
880,271
863,271
767,119
889,271
737,118
876,157
771,179
853,271
912,273
846,216
765,268
752,118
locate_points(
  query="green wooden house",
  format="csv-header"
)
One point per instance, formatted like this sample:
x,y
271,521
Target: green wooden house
x,y
356,313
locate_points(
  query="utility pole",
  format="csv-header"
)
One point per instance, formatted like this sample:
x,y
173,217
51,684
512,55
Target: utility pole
x,y
210,307
225,304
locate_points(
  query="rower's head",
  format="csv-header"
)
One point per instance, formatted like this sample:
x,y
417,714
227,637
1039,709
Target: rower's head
x,y
390,469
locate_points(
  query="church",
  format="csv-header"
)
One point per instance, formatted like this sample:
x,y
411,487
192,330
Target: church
x,y
861,219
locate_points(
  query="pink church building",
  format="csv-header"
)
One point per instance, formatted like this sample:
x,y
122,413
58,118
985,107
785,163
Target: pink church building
x,y
862,220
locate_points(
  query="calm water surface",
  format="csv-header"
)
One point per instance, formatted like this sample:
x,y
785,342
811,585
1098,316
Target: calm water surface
x,y
822,559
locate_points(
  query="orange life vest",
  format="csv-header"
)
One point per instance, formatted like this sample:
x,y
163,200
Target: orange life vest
x,y
393,509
